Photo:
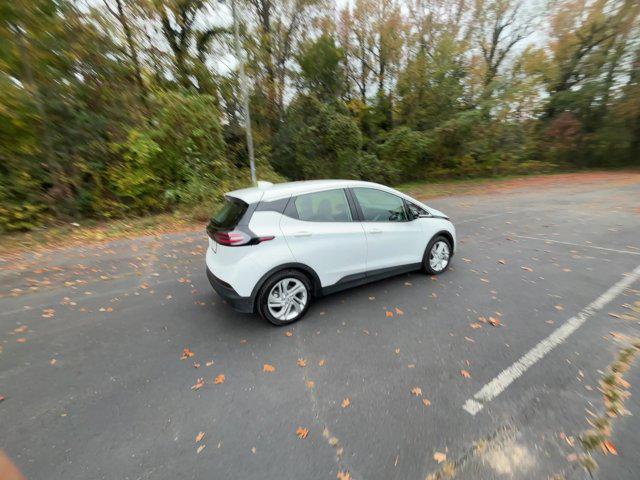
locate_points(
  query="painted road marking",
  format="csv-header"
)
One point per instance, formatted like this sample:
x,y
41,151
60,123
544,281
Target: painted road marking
x,y
578,245
496,386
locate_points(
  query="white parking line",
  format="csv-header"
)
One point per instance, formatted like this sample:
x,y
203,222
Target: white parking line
x,y
496,386
578,244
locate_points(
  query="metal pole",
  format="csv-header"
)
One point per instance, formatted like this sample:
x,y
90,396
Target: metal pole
x,y
244,91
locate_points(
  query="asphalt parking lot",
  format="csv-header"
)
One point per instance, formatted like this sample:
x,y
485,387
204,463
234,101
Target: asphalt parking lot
x,y
377,377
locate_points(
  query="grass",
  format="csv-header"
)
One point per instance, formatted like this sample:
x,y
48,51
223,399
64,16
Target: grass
x,y
91,231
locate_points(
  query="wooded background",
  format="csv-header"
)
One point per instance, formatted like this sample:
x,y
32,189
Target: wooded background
x,y
112,108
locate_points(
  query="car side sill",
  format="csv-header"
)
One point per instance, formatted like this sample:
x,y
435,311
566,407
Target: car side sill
x,y
358,279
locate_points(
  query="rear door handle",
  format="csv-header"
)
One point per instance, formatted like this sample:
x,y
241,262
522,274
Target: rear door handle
x,y
375,230
302,234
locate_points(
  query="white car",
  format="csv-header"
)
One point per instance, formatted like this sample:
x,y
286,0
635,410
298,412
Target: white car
x,y
274,248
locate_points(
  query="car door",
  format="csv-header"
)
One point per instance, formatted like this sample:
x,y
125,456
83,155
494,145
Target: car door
x,y
393,239
323,233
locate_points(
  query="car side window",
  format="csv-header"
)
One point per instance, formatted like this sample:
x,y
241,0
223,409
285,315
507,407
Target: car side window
x,y
325,206
379,206
416,211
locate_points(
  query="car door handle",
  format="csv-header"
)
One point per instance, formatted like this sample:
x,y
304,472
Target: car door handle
x,y
302,234
375,230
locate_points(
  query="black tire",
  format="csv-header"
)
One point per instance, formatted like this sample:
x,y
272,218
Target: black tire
x,y
263,295
426,265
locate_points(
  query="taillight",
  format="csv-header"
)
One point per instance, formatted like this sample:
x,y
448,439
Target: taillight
x,y
237,238
234,238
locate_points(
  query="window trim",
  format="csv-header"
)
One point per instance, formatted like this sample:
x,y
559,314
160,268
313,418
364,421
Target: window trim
x,y
291,210
359,207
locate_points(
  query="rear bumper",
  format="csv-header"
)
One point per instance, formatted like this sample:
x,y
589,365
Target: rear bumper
x,y
226,291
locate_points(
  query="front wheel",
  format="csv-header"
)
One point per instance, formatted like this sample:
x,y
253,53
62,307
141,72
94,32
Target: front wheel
x,y
285,297
437,255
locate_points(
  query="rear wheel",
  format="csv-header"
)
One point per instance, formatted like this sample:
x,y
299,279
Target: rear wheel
x,y
285,297
437,256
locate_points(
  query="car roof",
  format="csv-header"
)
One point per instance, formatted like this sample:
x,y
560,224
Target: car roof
x,y
267,192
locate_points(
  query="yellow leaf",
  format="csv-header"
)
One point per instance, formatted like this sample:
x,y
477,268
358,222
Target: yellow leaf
x,y
439,457
343,475
198,385
426,402
465,374
268,368
302,432
389,314
302,362
219,379
346,402
417,391
199,437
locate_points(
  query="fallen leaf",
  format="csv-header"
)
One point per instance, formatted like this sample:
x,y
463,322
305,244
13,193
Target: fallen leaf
x,y
528,269
389,313
53,361
426,402
501,262
417,391
494,321
343,475
209,363
200,448
302,432
219,379
196,365
288,334
399,312
611,448
199,437
198,385
302,362
466,260
268,368
439,457
372,298
475,325
346,402
559,307
310,384
186,353
21,340
465,374
321,363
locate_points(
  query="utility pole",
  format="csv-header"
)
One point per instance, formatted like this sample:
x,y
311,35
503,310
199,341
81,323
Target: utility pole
x,y
244,91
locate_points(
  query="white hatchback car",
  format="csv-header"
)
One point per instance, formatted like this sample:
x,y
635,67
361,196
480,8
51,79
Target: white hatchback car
x,y
273,248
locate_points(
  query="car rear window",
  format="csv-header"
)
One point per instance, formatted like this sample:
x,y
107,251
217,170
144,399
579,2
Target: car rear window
x,y
229,214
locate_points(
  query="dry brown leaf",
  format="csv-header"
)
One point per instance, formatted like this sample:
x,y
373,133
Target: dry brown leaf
x,y
417,391
343,475
611,448
399,312
302,432
186,353
465,374
501,262
389,313
200,448
439,457
288,334
494,321
219,379
321,363
302,362
426,402
198,385
310,384
346,402
268,368
199,437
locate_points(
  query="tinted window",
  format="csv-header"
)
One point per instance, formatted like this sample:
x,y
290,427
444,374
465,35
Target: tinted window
x,y
229,214
327,206
415,210
379,206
